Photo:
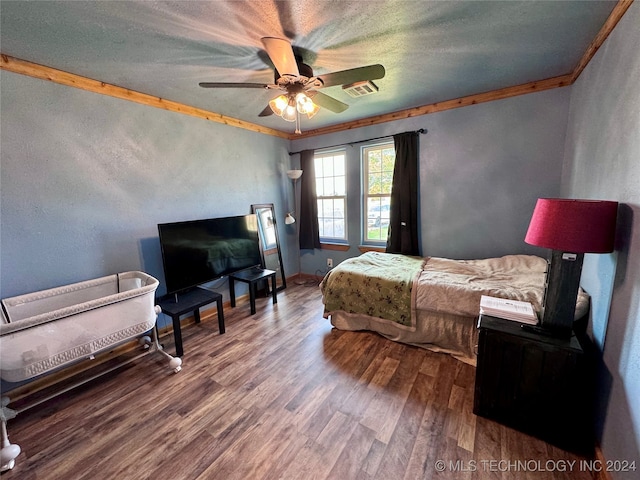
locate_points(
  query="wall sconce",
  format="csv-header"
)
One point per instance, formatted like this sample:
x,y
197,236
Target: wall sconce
x,y
570,228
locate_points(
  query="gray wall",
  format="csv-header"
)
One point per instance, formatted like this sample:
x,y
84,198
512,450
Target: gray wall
x,y
602,161
86,178
482,169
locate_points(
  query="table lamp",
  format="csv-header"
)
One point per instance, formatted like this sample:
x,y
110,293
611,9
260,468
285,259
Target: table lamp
x,y
570,228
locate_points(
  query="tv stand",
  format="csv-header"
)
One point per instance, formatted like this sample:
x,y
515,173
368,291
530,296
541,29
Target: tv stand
x,y
190,301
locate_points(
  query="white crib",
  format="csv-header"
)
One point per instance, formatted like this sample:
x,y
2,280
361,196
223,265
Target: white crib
x,y
47,330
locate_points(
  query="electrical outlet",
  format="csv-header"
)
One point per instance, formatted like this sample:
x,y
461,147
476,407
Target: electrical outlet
x,y
330,262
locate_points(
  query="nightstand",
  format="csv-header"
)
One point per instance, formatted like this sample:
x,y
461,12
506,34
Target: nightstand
x,y
538,384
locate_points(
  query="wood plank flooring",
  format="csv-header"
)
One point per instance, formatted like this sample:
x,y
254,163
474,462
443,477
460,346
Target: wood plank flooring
x,y
281,395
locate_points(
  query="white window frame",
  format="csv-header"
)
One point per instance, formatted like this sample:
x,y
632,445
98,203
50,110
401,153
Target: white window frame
x,y
324,193
366,196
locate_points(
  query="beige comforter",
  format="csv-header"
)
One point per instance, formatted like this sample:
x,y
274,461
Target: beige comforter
x,y
455,286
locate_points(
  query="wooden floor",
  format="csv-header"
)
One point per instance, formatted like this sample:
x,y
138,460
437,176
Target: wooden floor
x,y
281,395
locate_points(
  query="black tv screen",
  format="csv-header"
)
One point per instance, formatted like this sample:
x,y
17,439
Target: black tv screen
x,y
198,251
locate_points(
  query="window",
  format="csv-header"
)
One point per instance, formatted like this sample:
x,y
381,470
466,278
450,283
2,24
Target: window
x,y
378,162
331,190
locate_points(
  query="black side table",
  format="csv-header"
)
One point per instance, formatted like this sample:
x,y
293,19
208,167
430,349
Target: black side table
x,y
252,276
190,301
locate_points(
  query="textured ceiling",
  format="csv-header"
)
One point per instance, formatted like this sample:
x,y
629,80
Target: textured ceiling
x,y
432,50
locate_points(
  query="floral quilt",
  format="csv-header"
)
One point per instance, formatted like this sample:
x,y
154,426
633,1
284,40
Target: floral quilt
x,y
375,284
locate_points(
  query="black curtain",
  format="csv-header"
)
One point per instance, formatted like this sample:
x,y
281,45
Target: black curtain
x,y
308,218
403,226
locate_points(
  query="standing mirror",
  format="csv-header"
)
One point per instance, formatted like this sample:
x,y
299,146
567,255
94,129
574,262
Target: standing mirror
x,y
269,242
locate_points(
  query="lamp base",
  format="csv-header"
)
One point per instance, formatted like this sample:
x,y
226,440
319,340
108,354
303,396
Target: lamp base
x,y
561,292
538,330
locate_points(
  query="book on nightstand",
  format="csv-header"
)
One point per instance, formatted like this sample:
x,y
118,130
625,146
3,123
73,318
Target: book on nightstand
x,y
515,310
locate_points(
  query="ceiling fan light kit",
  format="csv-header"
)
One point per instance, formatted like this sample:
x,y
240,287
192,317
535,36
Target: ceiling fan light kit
x,y
306,106
278,104
289,106
295,78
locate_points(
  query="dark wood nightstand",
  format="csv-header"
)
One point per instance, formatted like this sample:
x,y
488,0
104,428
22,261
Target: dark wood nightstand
x,y
538,384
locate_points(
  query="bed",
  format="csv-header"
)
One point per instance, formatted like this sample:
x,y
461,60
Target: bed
x,y
429,302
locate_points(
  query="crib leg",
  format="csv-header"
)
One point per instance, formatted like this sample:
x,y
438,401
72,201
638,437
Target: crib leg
x,y
175,363
9,451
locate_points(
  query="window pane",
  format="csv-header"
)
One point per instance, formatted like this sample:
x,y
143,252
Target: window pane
x,y
340,186
377,218
375,184
378,211
388,159
327,186
320,224
331,220
386,180
326,207
327,166
331,194
338,208
339,165
380,161
338,228
375,160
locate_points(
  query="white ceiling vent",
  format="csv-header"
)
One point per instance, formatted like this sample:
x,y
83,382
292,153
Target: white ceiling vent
x,y
360,89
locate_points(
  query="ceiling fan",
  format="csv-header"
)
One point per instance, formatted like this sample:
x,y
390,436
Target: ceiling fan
x,y
300,87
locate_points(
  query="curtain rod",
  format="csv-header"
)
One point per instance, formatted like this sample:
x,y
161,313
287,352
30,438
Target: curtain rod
x,y
351,144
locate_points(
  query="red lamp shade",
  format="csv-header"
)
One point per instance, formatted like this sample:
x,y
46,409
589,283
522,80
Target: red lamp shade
x,y
578,226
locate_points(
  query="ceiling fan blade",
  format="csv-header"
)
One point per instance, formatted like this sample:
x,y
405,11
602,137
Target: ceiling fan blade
x,y
345,77
330,103
232,85
266,112
281,54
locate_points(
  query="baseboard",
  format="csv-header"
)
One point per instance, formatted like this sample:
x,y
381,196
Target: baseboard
x,y
305,279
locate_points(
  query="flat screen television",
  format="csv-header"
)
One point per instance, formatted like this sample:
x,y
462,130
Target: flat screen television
x,y
199,251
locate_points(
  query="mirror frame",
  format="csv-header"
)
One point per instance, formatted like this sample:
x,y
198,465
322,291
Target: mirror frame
x,y
254,209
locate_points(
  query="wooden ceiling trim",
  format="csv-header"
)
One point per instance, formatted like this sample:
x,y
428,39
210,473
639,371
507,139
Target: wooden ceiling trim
x,y
42,72
508,92
24,67
616,14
